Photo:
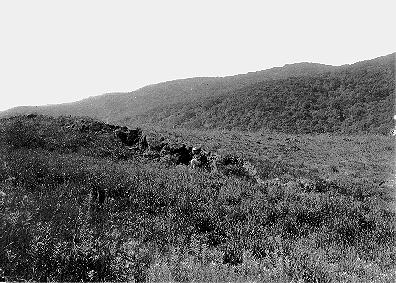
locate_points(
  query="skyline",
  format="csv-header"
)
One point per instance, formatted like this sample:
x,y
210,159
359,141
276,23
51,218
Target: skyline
x,y
55,53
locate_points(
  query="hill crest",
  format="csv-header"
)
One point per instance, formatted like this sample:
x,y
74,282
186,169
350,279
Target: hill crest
x,y
166,102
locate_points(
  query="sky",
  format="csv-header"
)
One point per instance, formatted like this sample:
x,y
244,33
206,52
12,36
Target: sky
x,y
63,51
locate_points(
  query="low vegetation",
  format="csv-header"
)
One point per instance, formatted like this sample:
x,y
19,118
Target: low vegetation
x,y
335,157
77,205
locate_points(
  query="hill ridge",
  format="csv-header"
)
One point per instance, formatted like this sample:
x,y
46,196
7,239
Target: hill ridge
x,y
165,103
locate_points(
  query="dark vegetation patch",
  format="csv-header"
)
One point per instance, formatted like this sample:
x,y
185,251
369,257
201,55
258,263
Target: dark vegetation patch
x,y
351,99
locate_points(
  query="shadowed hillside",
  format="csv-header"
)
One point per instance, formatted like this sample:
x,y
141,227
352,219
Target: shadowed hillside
x,y
352,99
296,98
126,106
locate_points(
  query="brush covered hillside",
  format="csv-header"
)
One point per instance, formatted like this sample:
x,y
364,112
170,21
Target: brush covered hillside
x,y
296,98
79,203
125,107
350,99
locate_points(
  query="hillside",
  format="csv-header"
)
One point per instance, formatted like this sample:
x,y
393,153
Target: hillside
x,y
352,99
296,98
126,106
355,158
78,204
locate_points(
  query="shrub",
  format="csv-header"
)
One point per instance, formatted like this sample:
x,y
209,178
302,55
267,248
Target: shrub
x,y
20,134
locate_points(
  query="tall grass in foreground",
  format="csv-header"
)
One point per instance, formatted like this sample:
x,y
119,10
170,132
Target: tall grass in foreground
x,y
70,210
78,218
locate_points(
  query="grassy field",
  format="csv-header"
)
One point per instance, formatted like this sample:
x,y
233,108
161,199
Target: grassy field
x,y
77,205
370,157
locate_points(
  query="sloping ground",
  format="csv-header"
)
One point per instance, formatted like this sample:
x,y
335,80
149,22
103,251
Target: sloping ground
x,y
332,157
352,100
73,208
297,98
88,137
119,107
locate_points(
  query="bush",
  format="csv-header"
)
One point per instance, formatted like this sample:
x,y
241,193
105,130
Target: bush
x,y
20,134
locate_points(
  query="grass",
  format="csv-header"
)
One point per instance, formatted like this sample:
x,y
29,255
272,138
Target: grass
x,y
334,157
81,215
